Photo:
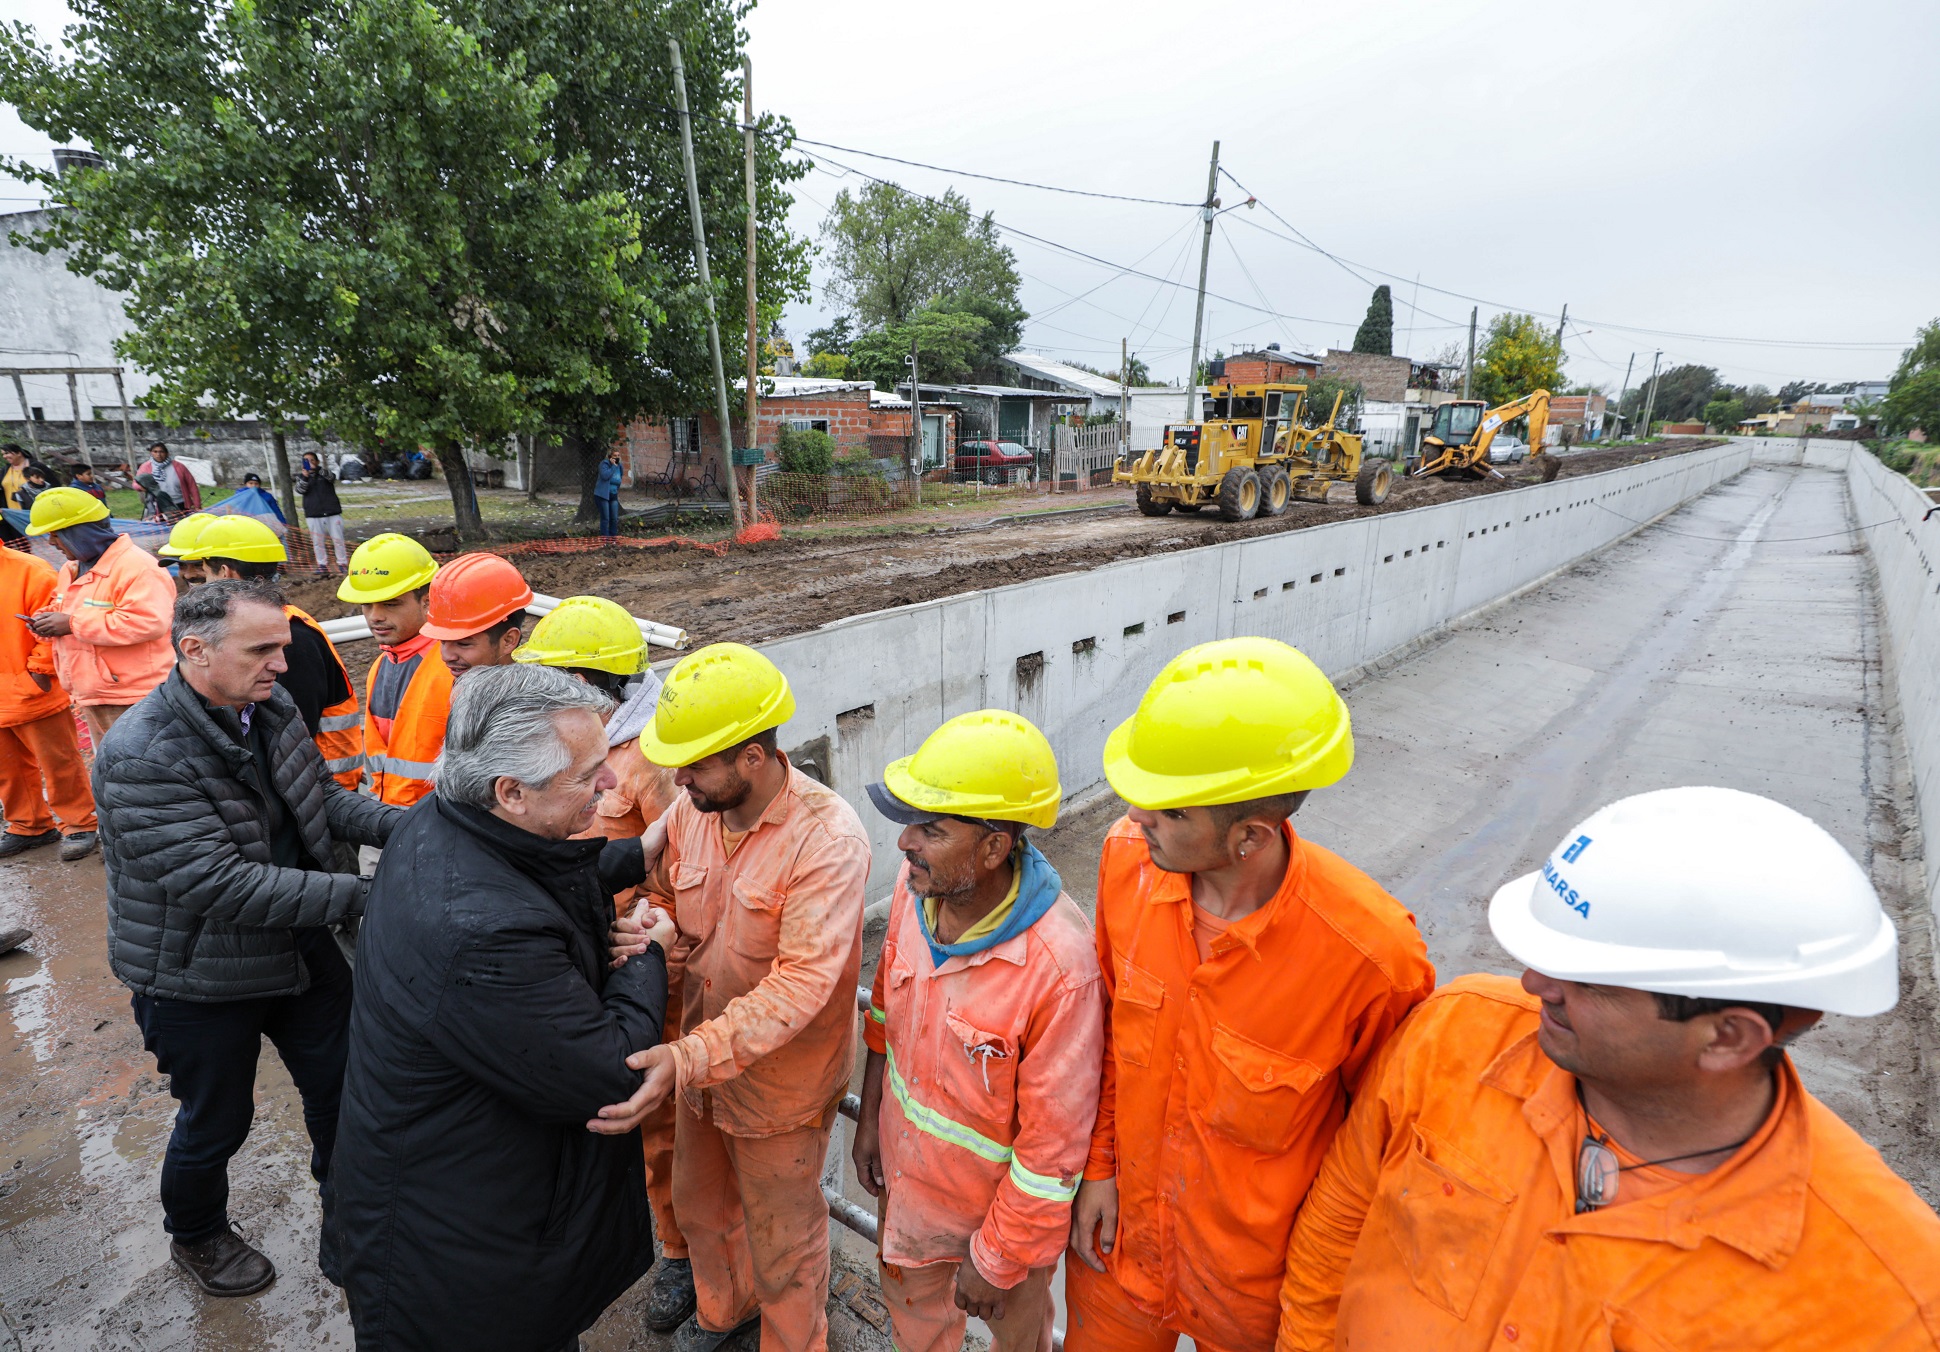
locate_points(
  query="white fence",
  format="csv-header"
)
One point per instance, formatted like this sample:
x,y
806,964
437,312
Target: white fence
x,y
1074,652
1080,454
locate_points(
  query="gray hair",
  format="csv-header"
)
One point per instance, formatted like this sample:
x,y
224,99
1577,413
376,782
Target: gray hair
x,y
502,726
205,611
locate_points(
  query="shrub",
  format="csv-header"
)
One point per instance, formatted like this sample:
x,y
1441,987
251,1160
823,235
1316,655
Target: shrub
x,y
801,451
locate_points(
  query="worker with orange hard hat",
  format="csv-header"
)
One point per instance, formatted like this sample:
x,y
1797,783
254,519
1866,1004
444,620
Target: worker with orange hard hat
x,y
1250,978
477,612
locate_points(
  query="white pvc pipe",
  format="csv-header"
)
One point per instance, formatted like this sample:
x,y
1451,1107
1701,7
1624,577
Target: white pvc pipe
x,y
351,628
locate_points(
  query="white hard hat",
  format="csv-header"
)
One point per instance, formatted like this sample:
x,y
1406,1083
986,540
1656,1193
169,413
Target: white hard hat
x,y
1710,893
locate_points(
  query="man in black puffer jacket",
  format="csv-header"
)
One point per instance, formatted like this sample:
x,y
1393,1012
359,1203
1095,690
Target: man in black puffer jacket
x,y
472,1208
217,820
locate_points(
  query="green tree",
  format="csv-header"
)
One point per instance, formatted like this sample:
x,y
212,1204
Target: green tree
x,y
1319,404
891,253
1518,357
827,366
611,114
1794,390
838,336
1724,415
1682,393
947,343
1915,402
1376,333
1136,371
1758,400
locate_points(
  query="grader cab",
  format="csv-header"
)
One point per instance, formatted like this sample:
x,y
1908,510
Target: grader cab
x,y
1251,455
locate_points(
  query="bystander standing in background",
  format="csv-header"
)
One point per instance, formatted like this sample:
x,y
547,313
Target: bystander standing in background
x,y
323,513
607,492
83,479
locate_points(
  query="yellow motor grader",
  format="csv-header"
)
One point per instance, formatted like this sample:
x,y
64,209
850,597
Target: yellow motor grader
x,y
1251,455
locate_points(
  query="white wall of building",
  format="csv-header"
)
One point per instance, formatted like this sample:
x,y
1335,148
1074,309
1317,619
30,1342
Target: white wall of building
x,y
53,317
1074,652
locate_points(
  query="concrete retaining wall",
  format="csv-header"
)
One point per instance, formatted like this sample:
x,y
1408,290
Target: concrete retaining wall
x,y
1906,554
1074,652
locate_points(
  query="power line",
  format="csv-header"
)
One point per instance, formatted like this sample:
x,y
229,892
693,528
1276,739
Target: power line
x,y
996,178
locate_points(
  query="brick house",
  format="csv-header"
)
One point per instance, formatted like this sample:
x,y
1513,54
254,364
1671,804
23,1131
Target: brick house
x,y
860,418
1382,379
1270,363
1584,412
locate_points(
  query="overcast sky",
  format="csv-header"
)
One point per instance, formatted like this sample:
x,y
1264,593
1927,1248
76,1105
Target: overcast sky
x,y
1748,185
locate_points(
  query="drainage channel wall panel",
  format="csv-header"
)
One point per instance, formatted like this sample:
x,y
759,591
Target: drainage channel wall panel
x,y
1074,652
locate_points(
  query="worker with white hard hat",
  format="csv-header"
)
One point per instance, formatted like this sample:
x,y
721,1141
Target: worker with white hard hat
x,y
1618,1151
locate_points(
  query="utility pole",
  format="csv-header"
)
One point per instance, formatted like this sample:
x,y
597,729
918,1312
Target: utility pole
x,y
754,366
915,419
707,286
1468,371
1124,396
1650,403
1199,311
1561,325
1627,368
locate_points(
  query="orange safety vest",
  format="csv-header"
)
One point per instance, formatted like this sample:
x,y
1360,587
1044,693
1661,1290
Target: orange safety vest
x,y
400,766
340,732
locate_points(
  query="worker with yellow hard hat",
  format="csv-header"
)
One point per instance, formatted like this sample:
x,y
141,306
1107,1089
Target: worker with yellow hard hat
x,y
110,615
476,612
248,548
764,870
599,642
407,696
181,539
1251,977
986,1021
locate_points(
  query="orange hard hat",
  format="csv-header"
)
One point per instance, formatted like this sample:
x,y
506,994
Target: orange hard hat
x,y
471,594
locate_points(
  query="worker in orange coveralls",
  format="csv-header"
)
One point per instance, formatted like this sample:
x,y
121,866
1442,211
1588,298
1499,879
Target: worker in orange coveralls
x,y
1618,1152
40,755
986,1020
766,869
599,642
1252,976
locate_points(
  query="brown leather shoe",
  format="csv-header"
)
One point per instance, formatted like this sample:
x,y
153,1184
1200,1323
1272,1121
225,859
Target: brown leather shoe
x,y
223,1265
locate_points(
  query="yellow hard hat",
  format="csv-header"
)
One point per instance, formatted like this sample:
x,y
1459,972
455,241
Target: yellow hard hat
x,y
182,536
1227,721
386,566
587,631
58,508
992,765
242,538
715,698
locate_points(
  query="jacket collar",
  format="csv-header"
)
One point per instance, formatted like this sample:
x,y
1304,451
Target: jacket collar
x,y
544,860
220,727
1252,929
1755,1202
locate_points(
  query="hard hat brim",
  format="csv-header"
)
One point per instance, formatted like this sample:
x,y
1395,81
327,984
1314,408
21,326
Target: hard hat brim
x,y
1155,792
676,755
445,633
1861,984
921,797
897,810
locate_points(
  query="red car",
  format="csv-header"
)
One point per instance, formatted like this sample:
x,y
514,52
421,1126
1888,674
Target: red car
x,y
996,462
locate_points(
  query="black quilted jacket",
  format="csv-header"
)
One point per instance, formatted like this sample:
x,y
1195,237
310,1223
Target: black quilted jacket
x,y
196,910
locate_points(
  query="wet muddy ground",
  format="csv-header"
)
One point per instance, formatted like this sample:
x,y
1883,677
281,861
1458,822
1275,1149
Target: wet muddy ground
x,y
1734,643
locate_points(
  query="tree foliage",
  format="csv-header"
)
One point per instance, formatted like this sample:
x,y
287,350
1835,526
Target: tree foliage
x,y
1724,414
948,344
1519,356
1913,394
891,253
1319,403
1682,393
1376,333
396,219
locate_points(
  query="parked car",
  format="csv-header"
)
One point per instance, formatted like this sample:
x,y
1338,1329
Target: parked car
x,y
995,462
1507,450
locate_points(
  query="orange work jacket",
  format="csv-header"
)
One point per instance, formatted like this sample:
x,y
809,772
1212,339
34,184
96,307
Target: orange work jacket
x,y
990,1089
26,586
771,939
400,765
340,731
1226,1080
1445,1218
120,611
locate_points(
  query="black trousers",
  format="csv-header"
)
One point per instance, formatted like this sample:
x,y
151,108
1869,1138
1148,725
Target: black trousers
x,y
209,1053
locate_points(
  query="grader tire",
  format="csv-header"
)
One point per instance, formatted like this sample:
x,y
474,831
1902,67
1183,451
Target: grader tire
x,y
1372,484
1147,504
1239,495
1276,491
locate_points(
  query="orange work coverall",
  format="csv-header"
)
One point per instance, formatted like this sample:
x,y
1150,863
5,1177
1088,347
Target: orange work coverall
x,y
1445,1219
1224,1083
644,792
119,649
988,1099
40,756
772,941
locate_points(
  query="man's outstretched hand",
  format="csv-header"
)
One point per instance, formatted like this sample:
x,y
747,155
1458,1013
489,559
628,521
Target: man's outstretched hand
x,y
632,933
617,1119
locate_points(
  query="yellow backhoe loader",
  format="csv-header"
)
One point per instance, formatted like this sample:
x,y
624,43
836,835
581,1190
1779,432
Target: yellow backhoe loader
x,y
1250,456
1456,445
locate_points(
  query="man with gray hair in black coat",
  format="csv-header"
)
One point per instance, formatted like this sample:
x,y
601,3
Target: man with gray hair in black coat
x,y
218,818
472,1208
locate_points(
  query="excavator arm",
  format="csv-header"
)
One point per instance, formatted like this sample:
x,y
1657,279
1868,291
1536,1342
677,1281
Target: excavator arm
x,y
1473,454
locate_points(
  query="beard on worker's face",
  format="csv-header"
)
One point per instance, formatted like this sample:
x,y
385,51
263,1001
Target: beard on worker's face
x,y
728,800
